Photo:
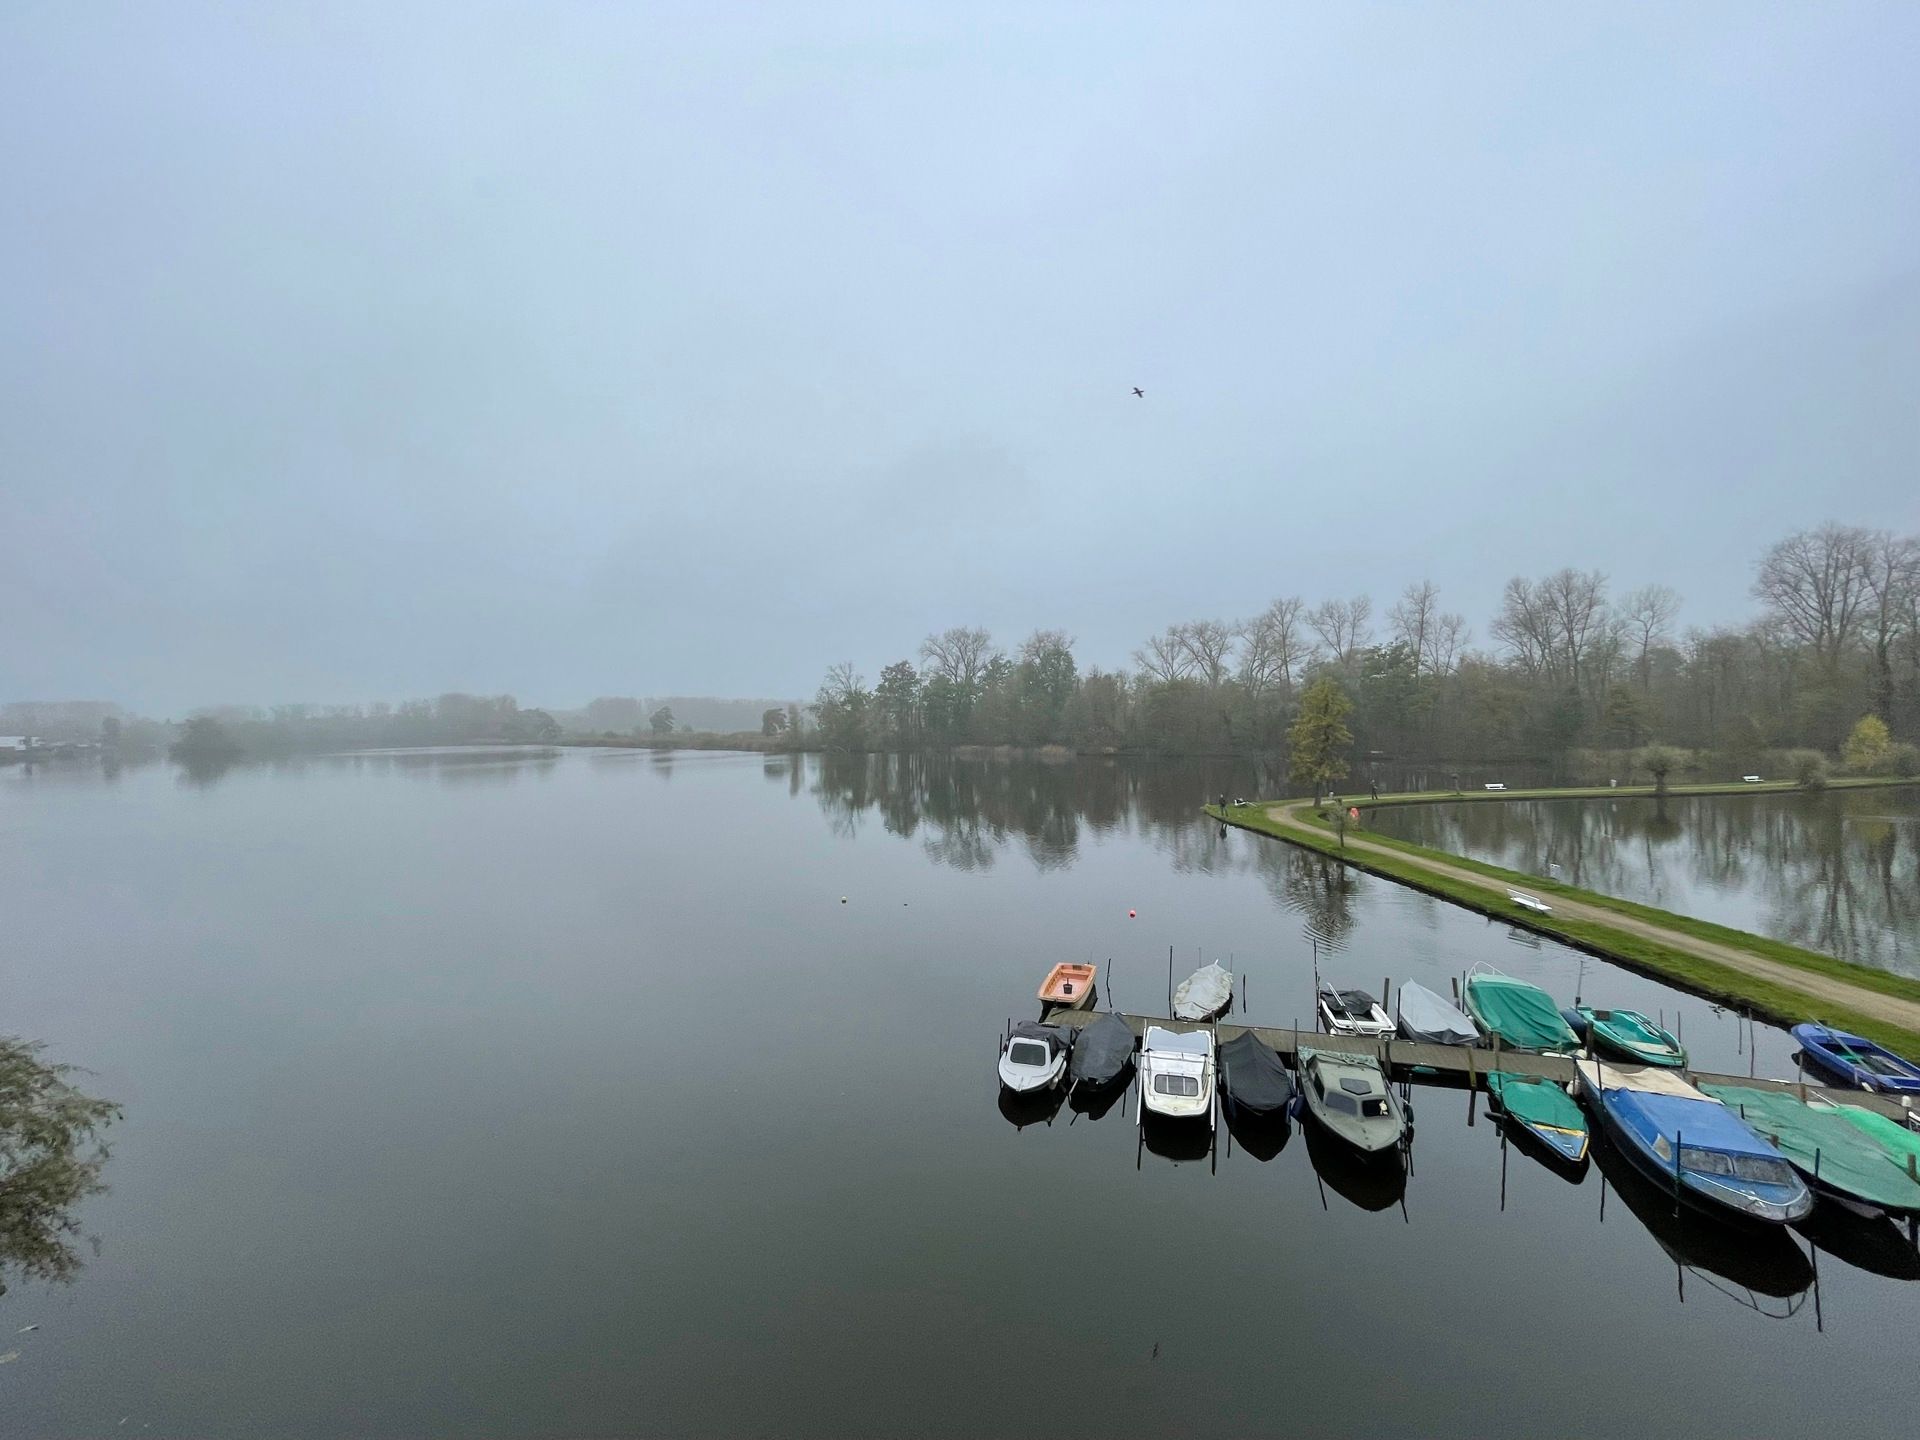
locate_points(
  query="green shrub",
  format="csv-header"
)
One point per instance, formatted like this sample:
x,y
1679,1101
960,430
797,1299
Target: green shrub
x,y
1809,769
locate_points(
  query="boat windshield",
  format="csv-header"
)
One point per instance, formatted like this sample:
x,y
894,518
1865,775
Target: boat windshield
x,y
1759,1169
1374,1108
1164,1084
1341,1103
1027,1052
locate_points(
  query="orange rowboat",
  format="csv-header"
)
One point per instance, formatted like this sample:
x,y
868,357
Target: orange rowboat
x,y
1070,986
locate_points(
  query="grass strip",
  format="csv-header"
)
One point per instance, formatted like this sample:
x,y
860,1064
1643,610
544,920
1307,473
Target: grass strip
x,y
1765,998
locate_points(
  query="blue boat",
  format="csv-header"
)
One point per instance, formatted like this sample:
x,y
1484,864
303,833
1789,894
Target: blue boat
x,y
1856,1061
1693,1145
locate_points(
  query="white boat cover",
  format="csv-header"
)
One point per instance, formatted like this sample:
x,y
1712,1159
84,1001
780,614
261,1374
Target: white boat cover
x,y
1433,1018
1204,994
1188,1042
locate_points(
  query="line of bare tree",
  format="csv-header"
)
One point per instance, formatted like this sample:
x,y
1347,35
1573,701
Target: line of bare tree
x,y
1566,664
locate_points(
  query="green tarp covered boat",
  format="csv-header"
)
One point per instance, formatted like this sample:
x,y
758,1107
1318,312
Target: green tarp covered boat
x,y
1628,1033
1545,1110
1900,1142
1522,1015
1840,1157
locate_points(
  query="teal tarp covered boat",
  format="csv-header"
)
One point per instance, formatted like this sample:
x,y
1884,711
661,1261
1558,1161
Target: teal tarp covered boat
x,y
1522,1015
1545,1110
1627,1033
1841,1158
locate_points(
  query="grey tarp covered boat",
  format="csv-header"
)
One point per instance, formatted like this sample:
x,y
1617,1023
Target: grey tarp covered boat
x,y
1433,1018
1102,1053
1253,1075
1205,994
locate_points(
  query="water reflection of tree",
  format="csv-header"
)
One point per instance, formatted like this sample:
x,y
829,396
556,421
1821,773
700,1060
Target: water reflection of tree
x,y
51,1158
965,810
1838,872
1320,889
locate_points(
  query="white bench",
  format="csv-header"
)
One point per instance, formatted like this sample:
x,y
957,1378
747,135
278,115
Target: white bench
x,y
1751,779
1529,902
1496,787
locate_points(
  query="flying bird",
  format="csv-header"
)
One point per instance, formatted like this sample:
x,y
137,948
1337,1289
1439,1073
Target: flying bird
x,y
1139,392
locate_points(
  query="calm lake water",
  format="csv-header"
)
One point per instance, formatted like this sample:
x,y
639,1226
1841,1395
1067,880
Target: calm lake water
x,y
1837,872
504,1095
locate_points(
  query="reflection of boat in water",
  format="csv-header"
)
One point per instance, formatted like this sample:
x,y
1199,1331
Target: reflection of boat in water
x,y
1094,1101
1261,1136
1763,1262
1877,1246
1022,1108
1174,1139
1357,1178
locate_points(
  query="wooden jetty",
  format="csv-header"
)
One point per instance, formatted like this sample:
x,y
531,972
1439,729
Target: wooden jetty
x,y
1462,1064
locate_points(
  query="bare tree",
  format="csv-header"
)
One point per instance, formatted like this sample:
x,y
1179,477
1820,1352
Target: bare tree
x,y
1815,586
1271,646
1342,624
1413,616
1525,626
1577,604
960,655
1893,583
1208,643
1446,638
1165,656
1648,614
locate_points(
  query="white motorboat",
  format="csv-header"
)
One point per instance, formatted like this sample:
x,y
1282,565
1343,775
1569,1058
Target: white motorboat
x,y
1033,1057
1177,1073
1352,1012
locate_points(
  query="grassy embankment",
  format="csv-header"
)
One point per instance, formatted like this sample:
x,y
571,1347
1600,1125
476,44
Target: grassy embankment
x,y
1759,995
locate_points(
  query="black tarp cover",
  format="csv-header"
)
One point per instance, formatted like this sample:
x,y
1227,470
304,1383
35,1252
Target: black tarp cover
x,y
1102,1051
1253,1074
1058,1041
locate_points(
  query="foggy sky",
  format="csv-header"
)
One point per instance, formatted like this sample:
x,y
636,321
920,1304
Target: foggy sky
x,y
359,352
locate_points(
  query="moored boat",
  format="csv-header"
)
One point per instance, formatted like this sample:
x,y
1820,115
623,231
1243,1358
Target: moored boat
x,y
1545,1111
1033,1057
1205,994
1069,986
1627,1033
1101,1053
1522,1015
1692,1143
1177,1074
1350,1097
1856,1061
1432,1018
1253,1077
1841,1161
1352,1012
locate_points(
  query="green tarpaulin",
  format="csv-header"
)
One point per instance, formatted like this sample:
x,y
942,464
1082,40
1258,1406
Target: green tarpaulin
x,y
1900,1143
1537,1102
1522,1015
1849,1160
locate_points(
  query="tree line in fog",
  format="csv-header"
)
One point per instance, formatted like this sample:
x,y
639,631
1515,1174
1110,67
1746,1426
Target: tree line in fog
x,y
1565,663
1829,661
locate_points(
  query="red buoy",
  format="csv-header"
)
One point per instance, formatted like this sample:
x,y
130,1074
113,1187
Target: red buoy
x,y
1130,915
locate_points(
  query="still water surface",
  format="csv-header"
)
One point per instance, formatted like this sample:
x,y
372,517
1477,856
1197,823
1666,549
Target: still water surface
x,y
1837,872
508,1095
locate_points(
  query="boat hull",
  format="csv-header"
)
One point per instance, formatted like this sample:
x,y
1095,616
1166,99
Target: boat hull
x,y
1639,1152
1815,1044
